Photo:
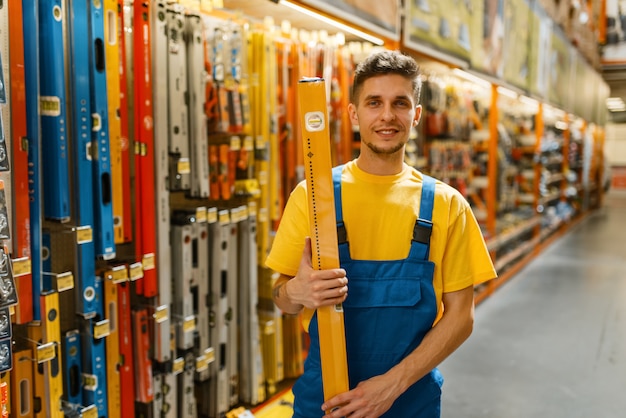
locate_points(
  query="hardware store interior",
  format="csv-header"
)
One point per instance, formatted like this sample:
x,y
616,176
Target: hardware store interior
x,y
148,149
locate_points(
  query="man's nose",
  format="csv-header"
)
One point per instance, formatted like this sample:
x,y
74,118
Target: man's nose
x,y
387,113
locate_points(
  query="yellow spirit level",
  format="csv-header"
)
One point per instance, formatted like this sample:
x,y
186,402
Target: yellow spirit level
x,y
313,115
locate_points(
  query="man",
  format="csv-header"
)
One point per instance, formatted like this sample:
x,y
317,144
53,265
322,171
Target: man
x,y
406,285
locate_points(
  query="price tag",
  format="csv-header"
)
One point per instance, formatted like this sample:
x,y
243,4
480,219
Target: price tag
x,y
235,143
118,274
235,215
184,166
101,329
21,266
65,281
84,234
189,324
209,354
148,261
49,105
201,363
260,143
248,143
46,352
178,365
136,271
211,215
201,214
90,381
224,217
89,412
269,328
243,214
141,149
160,314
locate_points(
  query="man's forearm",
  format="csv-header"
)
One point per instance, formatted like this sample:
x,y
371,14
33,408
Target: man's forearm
x,y
281,296
442,340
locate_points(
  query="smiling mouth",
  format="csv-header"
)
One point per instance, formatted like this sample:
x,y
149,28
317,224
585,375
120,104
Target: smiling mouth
x,y
387,131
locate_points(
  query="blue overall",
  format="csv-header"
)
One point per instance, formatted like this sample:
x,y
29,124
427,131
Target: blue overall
x,y
390,307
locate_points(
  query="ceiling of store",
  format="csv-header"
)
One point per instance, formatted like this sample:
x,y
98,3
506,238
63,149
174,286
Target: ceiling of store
x,y
615,75
258,10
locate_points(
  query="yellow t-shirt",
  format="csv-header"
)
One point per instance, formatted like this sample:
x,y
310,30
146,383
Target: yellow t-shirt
x,y
379,213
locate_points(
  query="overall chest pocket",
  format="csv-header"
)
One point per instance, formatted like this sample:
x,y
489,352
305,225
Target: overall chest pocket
x,y
373,284
364,293
388,311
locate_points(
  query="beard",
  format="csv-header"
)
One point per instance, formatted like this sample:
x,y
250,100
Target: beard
x,y
384,150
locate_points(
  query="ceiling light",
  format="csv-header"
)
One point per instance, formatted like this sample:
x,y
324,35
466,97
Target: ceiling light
x,y
332,22
507,92
615,104
471,77
529,101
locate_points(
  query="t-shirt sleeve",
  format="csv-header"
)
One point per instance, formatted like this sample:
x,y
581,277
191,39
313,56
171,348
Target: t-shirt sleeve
x,y
286,251
466,260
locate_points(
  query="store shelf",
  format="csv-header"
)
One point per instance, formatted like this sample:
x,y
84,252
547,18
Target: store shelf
x,y
549,198
549,230
496,243
518,252
526,198
554,178
254,162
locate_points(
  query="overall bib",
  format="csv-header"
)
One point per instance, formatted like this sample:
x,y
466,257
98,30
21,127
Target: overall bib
x,y
390,307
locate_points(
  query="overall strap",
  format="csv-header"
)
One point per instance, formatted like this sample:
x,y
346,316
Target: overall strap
x,y
420,244
337,187
342,235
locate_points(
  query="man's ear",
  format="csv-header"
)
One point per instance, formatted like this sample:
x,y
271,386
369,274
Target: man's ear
x,y
418,115
354,118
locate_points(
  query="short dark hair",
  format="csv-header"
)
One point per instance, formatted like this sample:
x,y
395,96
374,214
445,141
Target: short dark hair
x,y
387,62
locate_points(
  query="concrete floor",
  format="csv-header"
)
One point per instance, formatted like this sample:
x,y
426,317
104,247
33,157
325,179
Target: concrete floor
x,y
551,342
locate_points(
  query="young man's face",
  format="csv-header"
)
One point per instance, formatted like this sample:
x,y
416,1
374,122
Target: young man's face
x,y
385,112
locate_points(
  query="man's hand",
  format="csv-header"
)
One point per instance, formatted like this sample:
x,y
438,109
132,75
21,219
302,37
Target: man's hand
x,y
314,288
373,397
370,399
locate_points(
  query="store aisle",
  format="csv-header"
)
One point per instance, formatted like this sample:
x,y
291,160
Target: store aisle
x,y
552,341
